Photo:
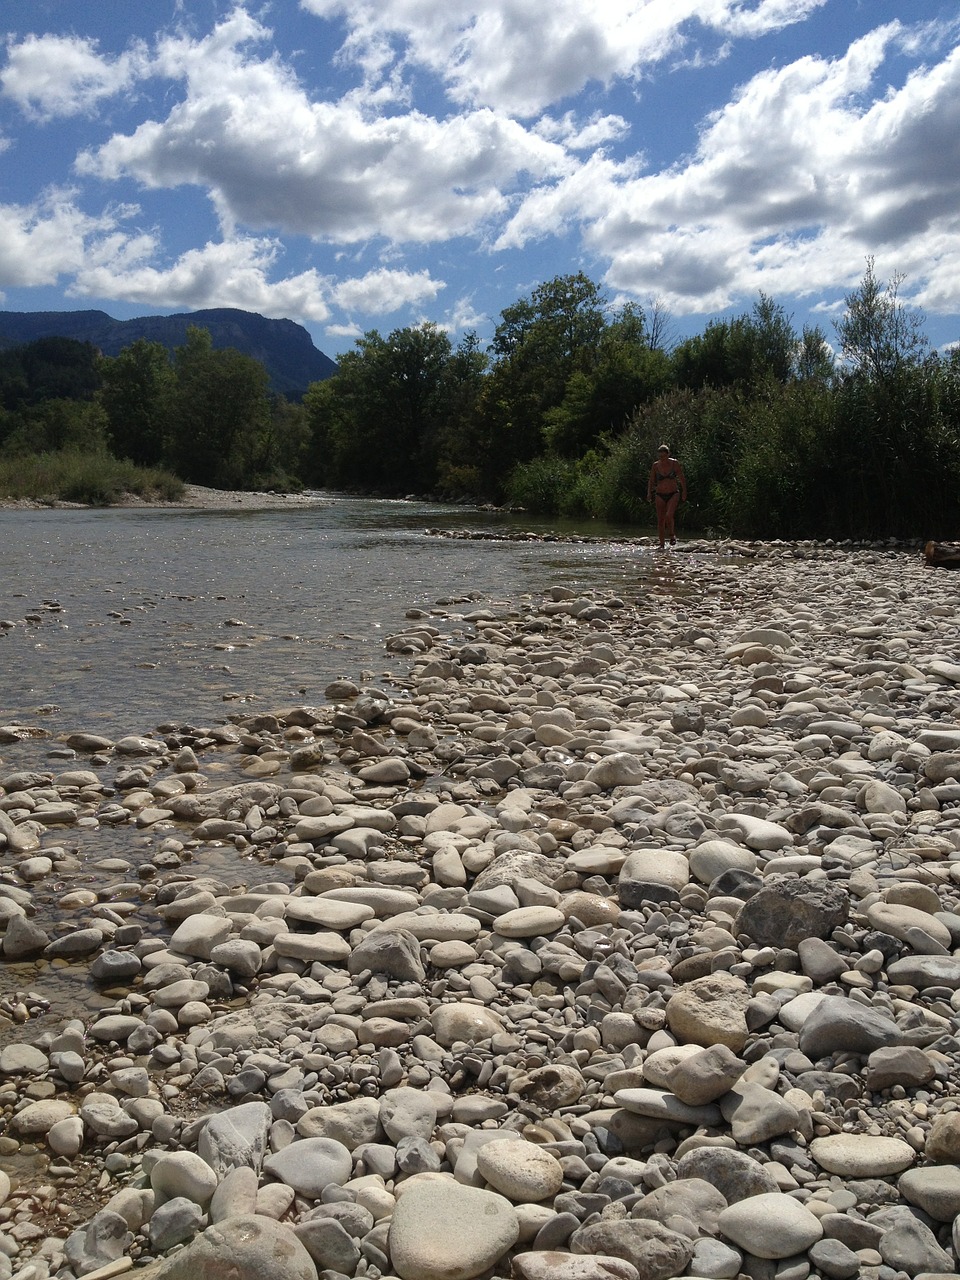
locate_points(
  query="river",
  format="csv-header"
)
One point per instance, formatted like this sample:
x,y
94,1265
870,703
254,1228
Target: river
x,y
123,619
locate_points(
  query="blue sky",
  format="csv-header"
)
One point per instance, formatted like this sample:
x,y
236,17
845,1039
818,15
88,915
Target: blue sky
x,y
371,164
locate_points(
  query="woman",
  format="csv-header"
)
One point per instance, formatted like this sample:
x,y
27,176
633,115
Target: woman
x,y
667,487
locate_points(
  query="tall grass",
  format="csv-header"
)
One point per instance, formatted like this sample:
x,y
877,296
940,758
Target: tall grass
x,y
93,478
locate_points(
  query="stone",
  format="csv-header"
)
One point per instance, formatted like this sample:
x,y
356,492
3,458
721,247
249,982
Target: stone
x,y
933,1188
529,922
705,1076
710,1010
841,1025
770,1226
460,1022
861,1155
310,1165
689,1206
549,1264
236,1137
521,1171
943,1138
736,1175
393,951
422,1245
652,875
246,1247
787,910
657,1252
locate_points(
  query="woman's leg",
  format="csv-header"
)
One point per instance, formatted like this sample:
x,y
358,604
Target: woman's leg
x,y
661,517
670,510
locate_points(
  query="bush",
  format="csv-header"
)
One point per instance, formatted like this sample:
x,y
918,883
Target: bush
x,y
96,479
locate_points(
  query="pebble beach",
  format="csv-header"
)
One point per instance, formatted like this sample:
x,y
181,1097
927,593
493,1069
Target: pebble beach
x,y
618,940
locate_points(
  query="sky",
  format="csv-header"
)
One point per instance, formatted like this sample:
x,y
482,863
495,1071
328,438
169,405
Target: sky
x,y
372,164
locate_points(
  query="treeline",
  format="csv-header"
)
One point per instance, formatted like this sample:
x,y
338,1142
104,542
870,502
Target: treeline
x,y
200,415
782,433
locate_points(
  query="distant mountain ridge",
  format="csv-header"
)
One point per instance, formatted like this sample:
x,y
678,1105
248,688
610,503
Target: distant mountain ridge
x,y
284,347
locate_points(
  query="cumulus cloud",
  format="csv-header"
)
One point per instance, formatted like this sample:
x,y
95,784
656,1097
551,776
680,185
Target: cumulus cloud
x,y
800,176
275,160
503,54
42,241
233,273
386,290
53,76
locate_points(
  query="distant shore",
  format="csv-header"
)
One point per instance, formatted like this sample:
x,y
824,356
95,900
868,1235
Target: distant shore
x,y
195,497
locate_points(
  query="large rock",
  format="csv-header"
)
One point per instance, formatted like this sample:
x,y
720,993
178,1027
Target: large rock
x,y
838,1024
735,1175
395,952
710,1010
786,911
247,1247
444,1231
771,1226
657,1252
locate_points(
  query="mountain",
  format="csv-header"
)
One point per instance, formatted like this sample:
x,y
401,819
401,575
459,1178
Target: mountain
x,y
285,348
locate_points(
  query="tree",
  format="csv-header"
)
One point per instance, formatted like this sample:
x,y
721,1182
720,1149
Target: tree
x,y
221,409
879,335
539,344
379,421
137,395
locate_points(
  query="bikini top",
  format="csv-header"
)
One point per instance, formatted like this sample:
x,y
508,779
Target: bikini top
x,y
661,475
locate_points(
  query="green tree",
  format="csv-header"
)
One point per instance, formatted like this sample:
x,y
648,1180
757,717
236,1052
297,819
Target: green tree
x,y
539,344
221,410
137,394
879,334
379,422
627,371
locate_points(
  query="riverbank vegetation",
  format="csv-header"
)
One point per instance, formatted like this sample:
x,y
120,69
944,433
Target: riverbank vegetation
x,y
782,433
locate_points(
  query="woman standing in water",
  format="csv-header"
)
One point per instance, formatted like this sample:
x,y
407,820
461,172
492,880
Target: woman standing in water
x,y
667,487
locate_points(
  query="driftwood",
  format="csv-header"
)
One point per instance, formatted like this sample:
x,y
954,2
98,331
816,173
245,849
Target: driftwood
x,y
942,555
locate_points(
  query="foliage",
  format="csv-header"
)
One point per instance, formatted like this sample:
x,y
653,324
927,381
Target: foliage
x,y
93,478
220,413
137,394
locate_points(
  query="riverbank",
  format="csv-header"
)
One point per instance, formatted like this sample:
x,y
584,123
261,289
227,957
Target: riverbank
x,y
621,929
194,497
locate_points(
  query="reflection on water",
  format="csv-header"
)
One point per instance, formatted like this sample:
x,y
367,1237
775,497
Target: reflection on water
x,y
126,619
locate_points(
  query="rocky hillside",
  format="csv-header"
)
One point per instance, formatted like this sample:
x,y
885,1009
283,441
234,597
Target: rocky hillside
x,y
285,348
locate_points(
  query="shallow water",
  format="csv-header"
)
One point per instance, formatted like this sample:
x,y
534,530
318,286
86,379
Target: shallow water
x,y
126,619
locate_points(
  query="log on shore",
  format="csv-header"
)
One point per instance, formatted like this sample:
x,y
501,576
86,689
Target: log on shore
x,y
942,555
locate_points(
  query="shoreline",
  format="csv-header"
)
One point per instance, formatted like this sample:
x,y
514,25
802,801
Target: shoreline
x,y
196,497
510,896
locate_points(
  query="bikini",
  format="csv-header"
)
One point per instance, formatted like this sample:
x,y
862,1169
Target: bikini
x,y
672,475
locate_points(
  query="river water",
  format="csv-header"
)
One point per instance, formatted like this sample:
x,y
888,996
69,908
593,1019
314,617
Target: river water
x,y
128,618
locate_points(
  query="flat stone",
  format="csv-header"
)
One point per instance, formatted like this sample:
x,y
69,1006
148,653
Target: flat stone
x,y
453,1023
861,1155
422,1243
529,922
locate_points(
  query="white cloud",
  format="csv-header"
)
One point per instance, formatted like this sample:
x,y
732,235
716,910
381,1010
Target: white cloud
x,y
42,241
508,55
382,291
800,176
54,76
273,159
233,273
